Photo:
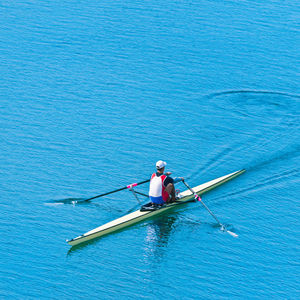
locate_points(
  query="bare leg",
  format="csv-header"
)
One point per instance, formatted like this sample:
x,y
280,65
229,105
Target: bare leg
x,y
171,191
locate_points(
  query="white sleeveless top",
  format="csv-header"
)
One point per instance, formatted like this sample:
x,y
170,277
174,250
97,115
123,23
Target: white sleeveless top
x,y
156,185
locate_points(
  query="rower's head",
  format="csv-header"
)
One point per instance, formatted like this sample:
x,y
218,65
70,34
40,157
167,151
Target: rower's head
x,y
160,166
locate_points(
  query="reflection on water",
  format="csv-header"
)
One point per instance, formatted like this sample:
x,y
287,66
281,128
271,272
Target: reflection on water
x,y
158,234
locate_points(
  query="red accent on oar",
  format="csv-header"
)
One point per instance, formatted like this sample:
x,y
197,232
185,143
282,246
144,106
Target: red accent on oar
x,y
197,197
130,186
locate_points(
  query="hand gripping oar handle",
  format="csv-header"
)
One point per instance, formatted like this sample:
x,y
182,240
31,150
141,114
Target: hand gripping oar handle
x,y
197,197
118,190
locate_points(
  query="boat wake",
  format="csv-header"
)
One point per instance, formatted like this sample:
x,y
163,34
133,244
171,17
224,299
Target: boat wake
x,y
68,201
208,227
217,94
251,129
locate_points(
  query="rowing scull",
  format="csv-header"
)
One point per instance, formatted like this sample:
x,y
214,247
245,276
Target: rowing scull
x,y
138,215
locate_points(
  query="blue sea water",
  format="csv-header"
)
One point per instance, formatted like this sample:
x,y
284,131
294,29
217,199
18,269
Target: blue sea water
x,y
93,93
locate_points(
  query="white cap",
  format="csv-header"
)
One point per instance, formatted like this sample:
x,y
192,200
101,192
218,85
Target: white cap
x,y
160,164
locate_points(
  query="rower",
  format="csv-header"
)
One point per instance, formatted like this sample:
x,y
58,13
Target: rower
x,y
162,188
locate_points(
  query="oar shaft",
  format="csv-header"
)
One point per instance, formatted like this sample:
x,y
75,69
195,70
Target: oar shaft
x,y
145,195
220,224
211,212
198,197
118,190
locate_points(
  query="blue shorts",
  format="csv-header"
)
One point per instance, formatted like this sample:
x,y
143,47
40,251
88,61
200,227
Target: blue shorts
x,y
157,200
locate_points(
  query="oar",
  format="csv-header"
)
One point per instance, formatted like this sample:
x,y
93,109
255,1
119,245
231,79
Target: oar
x,y
118,190
220,224
145,195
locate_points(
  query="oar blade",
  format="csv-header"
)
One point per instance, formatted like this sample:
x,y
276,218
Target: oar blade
x,y
232,233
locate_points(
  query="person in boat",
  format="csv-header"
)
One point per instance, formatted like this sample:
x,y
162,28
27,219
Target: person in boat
x,y
162,188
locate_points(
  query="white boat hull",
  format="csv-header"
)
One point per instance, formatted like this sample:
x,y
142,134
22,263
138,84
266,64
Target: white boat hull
x,y
138,216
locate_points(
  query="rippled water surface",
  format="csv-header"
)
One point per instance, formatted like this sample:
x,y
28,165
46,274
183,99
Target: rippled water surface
x,y
93,93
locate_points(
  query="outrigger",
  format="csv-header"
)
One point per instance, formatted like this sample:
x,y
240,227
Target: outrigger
x,y
189,195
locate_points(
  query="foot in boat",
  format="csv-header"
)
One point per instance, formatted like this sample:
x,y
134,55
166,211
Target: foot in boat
x,y
150,207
